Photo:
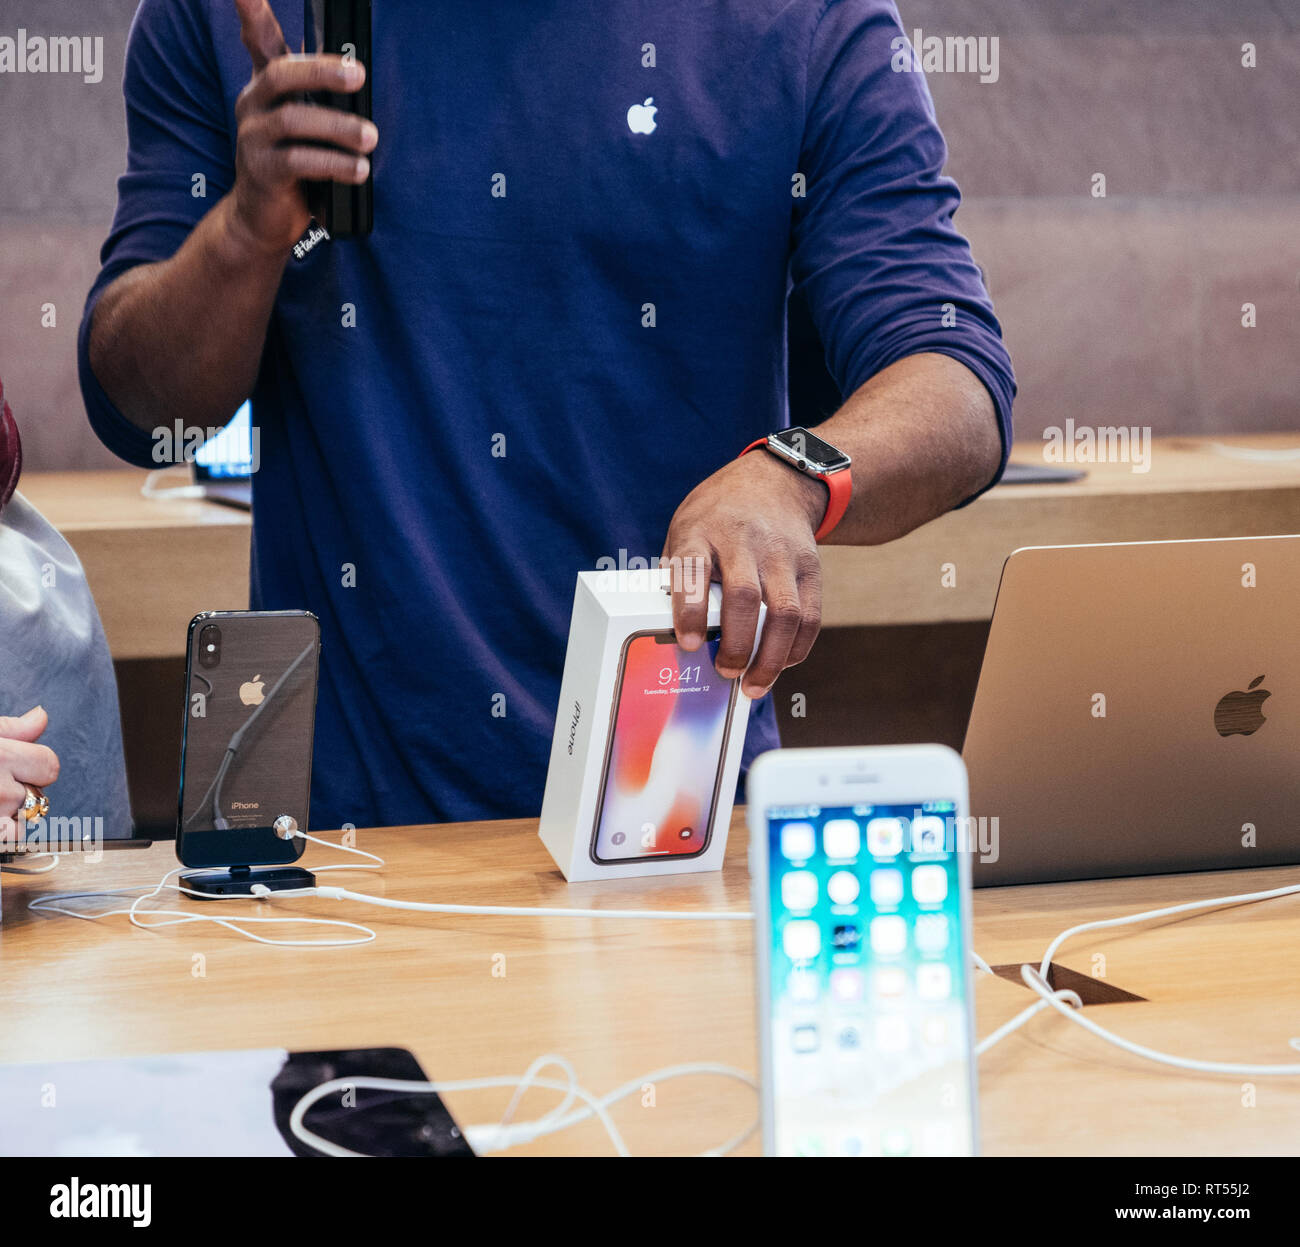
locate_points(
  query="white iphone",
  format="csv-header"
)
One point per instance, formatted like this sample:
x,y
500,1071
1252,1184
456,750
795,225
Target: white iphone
x,y
861,893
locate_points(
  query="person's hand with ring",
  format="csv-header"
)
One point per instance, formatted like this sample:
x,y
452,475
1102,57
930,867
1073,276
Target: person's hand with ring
x,y
26,767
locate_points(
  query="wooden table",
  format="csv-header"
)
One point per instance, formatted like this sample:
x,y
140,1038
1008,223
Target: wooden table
x,y
154,564
622,998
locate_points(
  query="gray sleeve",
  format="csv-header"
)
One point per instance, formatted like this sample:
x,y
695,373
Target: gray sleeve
x,y
53,653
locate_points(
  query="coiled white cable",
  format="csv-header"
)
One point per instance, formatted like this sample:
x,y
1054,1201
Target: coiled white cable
x,y
54,903
157,918
1021,1018
506,1134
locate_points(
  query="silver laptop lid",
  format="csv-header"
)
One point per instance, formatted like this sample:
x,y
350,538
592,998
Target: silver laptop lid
x,y
1138,710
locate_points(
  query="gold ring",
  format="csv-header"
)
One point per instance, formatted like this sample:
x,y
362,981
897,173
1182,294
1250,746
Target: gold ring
x,y
35,804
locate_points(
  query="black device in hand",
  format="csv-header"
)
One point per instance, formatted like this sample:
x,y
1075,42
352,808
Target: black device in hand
x,y
343,27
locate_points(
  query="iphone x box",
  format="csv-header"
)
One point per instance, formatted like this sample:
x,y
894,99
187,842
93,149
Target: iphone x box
x,y
648,737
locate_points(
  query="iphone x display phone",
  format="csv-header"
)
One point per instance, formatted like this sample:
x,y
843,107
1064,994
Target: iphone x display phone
x,y
343,27
246,747
861,895
668,736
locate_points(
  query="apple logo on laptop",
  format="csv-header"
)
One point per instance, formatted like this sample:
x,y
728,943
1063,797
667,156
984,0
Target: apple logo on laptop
x,y
641,117
1241,713
251,692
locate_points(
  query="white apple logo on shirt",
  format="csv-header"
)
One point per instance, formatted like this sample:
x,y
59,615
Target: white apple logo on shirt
x,y
641,117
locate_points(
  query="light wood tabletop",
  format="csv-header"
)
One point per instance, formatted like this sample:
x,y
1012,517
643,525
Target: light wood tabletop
x,y
155,563
477,996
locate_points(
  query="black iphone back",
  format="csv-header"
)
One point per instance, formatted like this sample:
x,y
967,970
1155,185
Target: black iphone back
x,y
250,718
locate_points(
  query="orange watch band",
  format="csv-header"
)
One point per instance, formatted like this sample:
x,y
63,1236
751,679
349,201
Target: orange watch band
x,y
839,485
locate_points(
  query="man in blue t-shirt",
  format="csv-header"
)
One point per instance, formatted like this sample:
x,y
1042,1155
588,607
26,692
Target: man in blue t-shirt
x,y
568,321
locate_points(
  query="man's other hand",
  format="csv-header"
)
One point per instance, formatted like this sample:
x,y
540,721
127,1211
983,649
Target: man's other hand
x,y
279,132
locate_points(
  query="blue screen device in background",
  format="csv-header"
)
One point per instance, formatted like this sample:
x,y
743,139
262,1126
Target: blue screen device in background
x,y
223,466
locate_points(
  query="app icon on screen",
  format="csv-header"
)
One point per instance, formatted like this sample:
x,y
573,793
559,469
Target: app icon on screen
x,y
886,888
888,935
933,980
846,938
885,837
847,985
927,834
929,884
804,1039
932,932
938,1138
803,986
841,838
849,1039
891,1033
798,841
889,983
896,1143
799,889
802,939
843,887
934,1032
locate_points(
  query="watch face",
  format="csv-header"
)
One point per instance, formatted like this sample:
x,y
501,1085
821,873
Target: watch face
x,y
819,456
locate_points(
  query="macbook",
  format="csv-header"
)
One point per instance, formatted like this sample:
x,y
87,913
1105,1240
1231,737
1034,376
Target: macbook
x,y
1138,711
224,465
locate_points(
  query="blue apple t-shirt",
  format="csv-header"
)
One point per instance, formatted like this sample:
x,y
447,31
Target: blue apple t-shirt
x,y
571,310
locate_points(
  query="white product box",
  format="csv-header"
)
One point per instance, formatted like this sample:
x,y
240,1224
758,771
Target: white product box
x,y
638,801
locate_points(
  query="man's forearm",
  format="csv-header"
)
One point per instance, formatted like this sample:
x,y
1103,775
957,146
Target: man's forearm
x,y
923,435
185,336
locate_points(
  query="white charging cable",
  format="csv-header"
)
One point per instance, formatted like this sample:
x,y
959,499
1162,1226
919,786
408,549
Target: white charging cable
x,y
538,911
56,902
1034,981
1246,898
149,918
506,1133
37,870
1021,1018
512,1135
151,488
1068,1004
347,848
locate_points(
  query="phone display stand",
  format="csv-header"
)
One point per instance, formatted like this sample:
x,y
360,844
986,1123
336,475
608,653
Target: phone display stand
x,y
240,880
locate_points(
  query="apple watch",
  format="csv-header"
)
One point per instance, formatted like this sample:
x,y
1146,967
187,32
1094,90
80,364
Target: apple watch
x,y
809,454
